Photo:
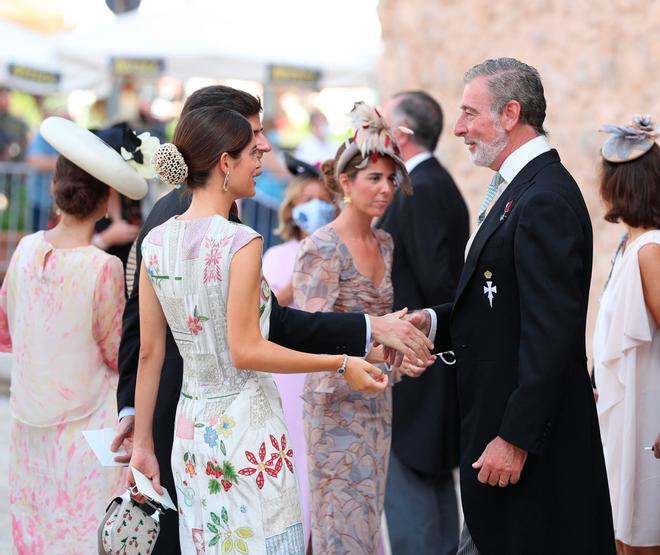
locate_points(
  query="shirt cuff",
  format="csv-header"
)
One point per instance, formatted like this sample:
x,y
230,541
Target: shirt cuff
x,y
367,347
434,324
126,411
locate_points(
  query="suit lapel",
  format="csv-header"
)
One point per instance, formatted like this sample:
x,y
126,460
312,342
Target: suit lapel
x,y
499,212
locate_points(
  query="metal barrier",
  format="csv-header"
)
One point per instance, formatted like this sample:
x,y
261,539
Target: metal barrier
x,y
15,209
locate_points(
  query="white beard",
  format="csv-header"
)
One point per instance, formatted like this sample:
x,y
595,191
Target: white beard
x,y
485,153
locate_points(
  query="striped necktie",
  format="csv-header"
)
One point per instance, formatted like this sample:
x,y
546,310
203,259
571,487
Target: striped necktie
x,y
490,195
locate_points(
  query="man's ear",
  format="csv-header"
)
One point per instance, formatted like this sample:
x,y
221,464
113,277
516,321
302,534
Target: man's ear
x,y
401,137
510,116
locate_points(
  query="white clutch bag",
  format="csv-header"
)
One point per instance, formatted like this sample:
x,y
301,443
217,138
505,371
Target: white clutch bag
x,y
127,528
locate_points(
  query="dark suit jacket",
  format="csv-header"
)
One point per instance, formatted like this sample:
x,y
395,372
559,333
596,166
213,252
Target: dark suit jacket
x,y
429,229
314,333
522,374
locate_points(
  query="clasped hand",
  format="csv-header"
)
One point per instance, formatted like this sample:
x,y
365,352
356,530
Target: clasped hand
x,y
403,338
501,463
411,362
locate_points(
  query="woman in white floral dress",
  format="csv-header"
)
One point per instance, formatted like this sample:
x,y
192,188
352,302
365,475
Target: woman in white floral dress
x,y
233,468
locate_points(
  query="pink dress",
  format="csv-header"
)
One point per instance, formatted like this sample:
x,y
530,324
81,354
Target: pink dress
x,y
60,314
348,433
278,264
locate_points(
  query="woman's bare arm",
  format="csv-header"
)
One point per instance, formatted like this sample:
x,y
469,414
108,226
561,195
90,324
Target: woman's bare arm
x,y
249,350
152,355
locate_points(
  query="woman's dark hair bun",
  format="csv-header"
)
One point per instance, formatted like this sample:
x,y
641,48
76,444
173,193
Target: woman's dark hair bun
x,y
75,191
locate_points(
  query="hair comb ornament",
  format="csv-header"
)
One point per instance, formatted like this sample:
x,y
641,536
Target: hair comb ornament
x,y
373,138
629,142
170,165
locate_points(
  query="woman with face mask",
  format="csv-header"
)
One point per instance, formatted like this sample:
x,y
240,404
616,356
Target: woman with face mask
x,y
345,266
307,206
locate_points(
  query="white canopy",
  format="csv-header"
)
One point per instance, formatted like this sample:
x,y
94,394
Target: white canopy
x,y
29,62
219,44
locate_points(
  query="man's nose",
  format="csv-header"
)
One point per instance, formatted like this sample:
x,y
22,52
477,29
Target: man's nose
x,y
264,144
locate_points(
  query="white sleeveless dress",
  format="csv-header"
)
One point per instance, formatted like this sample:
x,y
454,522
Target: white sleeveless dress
x,y
232,462
627,367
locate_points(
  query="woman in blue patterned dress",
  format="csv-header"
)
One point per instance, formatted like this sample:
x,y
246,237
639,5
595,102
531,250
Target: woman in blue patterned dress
x,y
235,479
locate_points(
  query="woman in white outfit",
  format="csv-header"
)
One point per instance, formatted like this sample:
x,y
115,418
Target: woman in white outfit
x,y
626,340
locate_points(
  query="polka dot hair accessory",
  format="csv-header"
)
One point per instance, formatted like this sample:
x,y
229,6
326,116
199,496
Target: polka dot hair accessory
x,y
170,165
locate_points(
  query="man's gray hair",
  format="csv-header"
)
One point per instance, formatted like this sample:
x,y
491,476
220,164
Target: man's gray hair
x,y
510,79
420,112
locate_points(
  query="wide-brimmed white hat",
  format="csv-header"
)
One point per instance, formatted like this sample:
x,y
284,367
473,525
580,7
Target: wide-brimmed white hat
x,y
91,154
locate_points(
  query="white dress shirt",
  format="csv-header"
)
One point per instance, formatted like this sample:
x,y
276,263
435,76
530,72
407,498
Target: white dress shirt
x,y
416,160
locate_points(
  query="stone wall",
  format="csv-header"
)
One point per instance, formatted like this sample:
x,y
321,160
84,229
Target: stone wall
x,y
600,63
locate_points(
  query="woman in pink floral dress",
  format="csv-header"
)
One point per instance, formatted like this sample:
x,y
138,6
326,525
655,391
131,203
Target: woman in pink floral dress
x,y
345,267
61,306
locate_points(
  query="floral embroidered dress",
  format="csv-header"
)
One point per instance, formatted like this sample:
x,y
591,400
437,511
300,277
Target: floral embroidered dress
x,y
232,463
348,433
60,315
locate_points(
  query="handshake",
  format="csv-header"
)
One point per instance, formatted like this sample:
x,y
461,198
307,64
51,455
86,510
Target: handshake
x,y
401,340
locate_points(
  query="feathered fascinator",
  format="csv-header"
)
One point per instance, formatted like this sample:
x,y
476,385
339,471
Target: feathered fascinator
x,y
629,142
373,138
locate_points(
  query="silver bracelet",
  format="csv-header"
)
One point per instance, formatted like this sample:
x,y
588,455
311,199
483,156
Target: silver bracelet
x,y
344,363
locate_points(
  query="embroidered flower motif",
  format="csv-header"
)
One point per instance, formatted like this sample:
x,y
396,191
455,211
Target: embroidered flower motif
x,y
153,269
193,325
243,509
225,426
190,469
232,539
189,460
195,322
212,271
153,265
210,437
259,467
283,454
224,476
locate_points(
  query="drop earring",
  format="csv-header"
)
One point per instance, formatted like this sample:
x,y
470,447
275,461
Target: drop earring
x,y
347,199
225,185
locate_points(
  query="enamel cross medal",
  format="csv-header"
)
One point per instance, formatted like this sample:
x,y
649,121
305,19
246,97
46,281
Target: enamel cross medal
x,y
490,290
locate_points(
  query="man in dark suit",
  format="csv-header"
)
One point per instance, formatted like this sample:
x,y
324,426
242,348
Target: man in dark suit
x,y
533,477
316,333
429,229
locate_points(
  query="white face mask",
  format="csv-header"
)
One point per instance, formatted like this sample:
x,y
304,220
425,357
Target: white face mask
x,y
313,214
